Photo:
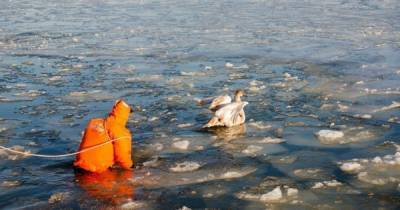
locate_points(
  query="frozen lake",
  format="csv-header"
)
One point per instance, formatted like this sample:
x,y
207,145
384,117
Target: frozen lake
x,y
321,78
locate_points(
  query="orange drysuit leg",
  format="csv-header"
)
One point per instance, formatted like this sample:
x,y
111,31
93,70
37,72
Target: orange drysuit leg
x,y
122,147
115,124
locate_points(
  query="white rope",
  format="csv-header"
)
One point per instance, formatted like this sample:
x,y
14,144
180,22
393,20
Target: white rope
x,y
63,155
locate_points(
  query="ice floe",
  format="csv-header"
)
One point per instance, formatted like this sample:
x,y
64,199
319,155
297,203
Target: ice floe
x,y
279,85
145,78
394,119
29,63
164,179
184,208
269,140
3,129
329,136
363,116
327,106
289,77
9,183
252,149
185,125
256,83
185,166
130,204
229,65
31,93
279,194
346,135
292,192
193,73
351,167
272,196
394,105
309,173
325,184
55,78
358,134
282,159
153,119
256,89
95,95
379,170
181,144
59,197
213,191
14,156
342,107
240,147
359,82
157,146
234,174
259,125
256,86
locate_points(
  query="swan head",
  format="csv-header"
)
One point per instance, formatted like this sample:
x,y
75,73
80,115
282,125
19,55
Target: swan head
x,y
238,93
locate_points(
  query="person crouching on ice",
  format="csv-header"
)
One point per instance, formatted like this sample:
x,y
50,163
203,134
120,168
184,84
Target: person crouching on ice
x,y
101,130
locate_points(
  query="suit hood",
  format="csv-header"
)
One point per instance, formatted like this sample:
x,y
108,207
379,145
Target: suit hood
x,y
120,112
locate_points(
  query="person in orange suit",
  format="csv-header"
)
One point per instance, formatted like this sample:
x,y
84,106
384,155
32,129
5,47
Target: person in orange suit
x,y
101,130
112,186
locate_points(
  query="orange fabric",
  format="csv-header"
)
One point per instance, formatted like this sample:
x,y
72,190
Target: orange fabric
x,y
111,186
115,123
99,131
101,158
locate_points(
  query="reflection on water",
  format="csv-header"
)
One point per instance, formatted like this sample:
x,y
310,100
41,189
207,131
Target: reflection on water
x,y
230,133
306,66
113,186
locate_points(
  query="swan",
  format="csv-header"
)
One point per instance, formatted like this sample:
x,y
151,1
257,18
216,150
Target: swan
x,y
215,102
229,114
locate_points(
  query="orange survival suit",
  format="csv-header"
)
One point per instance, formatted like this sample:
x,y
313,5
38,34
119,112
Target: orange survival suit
x,y
101,130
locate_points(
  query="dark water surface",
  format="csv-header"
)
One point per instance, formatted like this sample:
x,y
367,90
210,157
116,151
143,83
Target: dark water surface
x,y
305,66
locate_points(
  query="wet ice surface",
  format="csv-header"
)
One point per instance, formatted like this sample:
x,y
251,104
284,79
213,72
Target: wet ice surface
x,y
380,170
306,67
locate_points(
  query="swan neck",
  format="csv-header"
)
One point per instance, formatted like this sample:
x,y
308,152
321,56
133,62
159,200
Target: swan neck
x,y
237,98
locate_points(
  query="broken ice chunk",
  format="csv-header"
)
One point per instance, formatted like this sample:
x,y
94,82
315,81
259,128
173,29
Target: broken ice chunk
x,y
324,184
252,149
269,140
182,145
133,205
228,65
394,105
329,136
10,183
292,192
185,166
59,197
351,167
272,196
260,125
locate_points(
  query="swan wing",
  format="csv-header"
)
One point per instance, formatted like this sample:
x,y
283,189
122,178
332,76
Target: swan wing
x,y
220,100
232,114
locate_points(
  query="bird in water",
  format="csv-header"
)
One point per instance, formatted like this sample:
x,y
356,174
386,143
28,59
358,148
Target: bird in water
x,y
215,102
227,114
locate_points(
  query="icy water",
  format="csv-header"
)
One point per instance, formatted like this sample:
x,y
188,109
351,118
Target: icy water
x,y
305,66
